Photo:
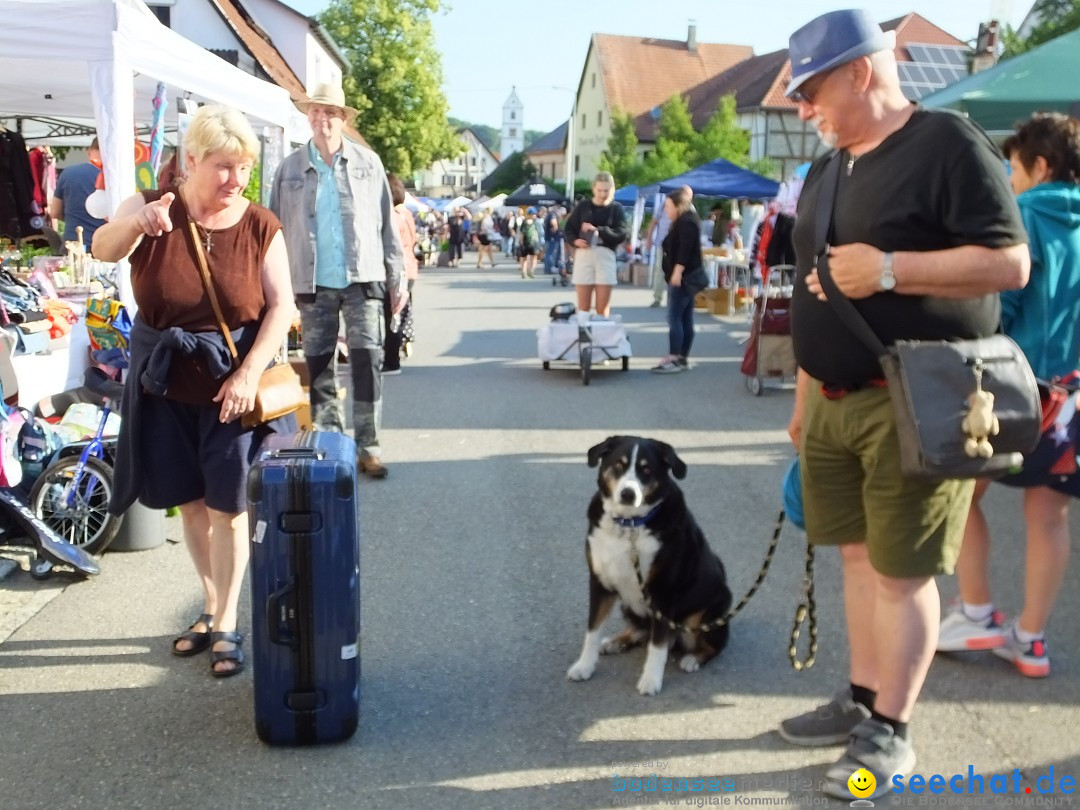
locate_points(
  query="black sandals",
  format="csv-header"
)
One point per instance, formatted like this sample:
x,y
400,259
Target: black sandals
x,y
236,655
199,640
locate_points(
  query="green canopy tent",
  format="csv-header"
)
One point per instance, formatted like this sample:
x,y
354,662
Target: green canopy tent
x,y
1044,79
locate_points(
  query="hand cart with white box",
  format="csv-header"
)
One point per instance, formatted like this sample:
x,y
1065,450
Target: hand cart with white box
x,y
586,342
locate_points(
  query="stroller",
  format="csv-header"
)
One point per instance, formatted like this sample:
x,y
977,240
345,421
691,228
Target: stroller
x,y
769,351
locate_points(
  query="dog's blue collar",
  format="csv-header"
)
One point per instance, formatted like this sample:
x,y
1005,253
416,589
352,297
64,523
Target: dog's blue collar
x,y
634,522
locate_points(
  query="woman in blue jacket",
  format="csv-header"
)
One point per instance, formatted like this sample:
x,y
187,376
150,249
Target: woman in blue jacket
x,y
1044,319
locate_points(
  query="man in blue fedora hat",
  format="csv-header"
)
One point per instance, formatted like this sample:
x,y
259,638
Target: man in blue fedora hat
x,y
923,235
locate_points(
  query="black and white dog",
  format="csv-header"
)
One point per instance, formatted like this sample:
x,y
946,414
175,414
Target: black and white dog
x,y
639,519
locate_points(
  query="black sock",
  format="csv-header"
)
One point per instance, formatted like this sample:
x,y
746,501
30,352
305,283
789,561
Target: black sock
x,y
899,729
860,694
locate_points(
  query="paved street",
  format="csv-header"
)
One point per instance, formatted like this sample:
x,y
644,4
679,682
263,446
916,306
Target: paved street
x,y
474,594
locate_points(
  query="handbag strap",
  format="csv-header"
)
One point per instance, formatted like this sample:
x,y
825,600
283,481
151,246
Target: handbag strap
x,y
841,304
204,272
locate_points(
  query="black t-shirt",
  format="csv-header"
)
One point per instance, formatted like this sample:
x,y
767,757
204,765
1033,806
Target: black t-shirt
x,y
936,183
610,222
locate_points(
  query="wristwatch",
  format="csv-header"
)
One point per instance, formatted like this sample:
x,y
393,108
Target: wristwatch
x,y
888,280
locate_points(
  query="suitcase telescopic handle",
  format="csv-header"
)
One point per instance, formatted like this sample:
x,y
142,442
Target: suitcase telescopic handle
x,y
298,452
277,612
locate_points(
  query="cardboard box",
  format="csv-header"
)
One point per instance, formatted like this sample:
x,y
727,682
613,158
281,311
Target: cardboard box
x,y
720,301
624,272
639,275
300,367
701,300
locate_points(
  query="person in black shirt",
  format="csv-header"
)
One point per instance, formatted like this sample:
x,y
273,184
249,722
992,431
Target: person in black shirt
x,y
925,233
685,275
595,229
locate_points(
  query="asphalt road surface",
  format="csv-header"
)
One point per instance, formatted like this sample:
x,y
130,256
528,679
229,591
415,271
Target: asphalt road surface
x,y
474,598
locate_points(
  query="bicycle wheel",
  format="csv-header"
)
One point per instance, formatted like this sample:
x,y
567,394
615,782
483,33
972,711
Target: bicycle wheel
x,y
77,510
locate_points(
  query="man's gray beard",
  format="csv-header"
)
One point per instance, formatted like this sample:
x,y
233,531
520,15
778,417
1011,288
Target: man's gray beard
x,y
829,139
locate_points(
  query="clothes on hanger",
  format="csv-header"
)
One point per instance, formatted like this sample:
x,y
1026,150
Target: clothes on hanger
x,y
43,170
16,188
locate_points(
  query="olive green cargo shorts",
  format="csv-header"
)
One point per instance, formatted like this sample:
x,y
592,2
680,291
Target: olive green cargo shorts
x,y
853,489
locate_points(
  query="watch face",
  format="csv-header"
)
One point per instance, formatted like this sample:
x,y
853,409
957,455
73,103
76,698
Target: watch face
x,y
888,281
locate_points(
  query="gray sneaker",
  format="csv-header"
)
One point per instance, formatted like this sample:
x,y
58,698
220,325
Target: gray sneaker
x,y
875,747
828,724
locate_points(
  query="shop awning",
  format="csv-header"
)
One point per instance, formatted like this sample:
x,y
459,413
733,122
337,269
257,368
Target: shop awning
x,y
99,62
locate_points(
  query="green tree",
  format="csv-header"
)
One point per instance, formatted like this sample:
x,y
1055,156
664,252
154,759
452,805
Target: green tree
x,y
620,158
766,167
674,138
721,137
1056,17
396,79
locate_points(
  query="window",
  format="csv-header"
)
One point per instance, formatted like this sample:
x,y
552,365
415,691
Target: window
x,y
447,180
473,162
594,80
577,163
513,132
600,118
513,115
583,120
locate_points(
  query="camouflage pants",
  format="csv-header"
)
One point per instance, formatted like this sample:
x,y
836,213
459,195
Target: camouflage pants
x,y
364,331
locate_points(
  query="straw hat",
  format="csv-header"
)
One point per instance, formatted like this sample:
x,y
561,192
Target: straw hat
x,y
329,94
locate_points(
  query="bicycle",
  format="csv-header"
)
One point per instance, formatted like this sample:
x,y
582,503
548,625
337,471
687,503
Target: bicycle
x,y
72,494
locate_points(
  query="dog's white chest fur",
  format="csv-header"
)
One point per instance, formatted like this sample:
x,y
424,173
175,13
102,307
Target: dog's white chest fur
x,y
612,549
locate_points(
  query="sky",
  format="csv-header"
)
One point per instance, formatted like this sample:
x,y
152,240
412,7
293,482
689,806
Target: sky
x,y
490,46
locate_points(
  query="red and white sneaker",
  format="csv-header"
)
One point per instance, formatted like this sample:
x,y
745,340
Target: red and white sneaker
x,y
958,633
1031,657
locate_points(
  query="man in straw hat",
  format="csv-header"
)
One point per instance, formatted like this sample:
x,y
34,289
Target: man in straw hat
x,y
334,203
924,234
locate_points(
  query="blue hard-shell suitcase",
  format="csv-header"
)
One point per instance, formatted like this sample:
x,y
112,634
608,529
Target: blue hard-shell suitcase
x,y
305,589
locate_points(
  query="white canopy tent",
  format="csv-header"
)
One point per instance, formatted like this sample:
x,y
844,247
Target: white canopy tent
x,y
99,61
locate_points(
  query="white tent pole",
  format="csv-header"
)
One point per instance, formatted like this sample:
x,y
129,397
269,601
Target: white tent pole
x,y
114,114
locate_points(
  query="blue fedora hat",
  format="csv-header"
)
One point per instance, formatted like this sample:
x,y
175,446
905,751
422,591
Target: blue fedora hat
x,y
831,40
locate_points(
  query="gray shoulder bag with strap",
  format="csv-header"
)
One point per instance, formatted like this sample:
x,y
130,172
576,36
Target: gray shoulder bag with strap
x,y
964,408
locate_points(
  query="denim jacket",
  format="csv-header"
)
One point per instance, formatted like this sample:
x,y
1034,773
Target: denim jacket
x,y
372,246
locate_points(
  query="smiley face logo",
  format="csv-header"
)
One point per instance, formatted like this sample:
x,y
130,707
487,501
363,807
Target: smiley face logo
x,y
861,783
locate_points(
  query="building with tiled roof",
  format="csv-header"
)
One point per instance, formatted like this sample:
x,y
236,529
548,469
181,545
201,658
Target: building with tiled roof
x,y
449,177
631,77
636,75
772,120
266,38
548,153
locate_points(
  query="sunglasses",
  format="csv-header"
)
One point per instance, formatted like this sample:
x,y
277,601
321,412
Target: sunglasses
x,y
807,93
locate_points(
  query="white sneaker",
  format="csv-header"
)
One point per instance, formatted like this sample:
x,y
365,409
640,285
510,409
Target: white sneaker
x,y
958,633
1029,657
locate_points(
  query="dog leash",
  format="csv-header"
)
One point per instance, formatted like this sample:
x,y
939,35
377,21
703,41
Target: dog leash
x,y
805,612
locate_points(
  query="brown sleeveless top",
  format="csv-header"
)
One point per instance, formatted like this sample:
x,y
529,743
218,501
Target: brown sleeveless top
x,y
168,287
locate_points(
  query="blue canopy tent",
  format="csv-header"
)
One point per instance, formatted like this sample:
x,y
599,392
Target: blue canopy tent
x,y
723,179
627,195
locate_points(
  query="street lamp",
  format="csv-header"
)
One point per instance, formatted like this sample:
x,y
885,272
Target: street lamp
x,y
569,143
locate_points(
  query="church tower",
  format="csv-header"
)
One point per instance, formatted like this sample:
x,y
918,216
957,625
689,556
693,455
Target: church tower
x,y
513,131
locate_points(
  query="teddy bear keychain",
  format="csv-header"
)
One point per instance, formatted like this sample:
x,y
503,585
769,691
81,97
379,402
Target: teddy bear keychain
x,y
980,422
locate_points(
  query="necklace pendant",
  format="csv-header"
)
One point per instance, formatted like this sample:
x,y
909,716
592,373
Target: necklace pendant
x,y
850,164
